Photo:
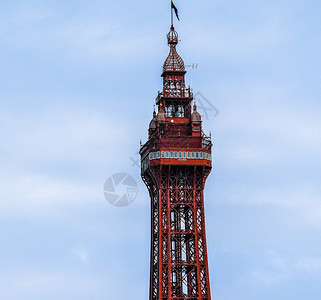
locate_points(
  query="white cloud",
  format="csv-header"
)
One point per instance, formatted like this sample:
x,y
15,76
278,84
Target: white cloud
x,y
268,125
42,197
37,284
280,269
81,255
86,37
56,158
60,133
298,206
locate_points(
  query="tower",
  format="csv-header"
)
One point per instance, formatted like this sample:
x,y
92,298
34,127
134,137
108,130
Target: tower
x,y
175,163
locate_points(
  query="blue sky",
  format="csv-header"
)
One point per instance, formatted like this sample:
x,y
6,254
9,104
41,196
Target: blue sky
x,y
78,81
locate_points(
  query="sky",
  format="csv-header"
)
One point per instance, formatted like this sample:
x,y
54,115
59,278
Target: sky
x,y
78,81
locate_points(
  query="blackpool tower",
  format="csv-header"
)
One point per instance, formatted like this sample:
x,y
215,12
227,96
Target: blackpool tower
x,y
175,163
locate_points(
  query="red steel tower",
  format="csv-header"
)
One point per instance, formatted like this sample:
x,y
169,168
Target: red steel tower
x,y
175,162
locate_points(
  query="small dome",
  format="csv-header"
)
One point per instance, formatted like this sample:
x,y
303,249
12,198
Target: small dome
x,y
195,117
152,124
174,62
172,36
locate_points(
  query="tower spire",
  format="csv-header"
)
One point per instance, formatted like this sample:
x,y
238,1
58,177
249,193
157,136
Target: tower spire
x,y
173,63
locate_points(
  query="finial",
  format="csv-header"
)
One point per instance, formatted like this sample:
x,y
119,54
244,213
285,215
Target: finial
x,y
194,106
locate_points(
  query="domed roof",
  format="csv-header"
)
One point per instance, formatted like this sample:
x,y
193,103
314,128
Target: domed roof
x,y
173,62
195,117
152,123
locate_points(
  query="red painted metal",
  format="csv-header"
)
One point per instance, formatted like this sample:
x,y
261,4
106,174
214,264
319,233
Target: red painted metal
x,y
176,161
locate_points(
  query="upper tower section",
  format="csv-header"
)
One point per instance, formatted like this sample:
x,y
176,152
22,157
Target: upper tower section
x,y
175,134
175,97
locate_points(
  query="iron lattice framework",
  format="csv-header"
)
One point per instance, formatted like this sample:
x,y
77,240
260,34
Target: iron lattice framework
x,y
176,161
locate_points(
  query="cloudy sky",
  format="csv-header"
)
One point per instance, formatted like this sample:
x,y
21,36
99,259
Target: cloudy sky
x,y
78,81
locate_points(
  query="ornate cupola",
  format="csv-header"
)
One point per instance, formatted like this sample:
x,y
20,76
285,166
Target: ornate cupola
x,y
173,63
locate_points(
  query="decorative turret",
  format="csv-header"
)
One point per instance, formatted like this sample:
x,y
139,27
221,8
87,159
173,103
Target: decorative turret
x,y
152,125
196,120
195,117
161,115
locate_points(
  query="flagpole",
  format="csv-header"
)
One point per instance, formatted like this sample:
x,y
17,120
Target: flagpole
x,y
171,14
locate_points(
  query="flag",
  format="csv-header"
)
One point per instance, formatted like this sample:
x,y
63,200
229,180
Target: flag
x,y
175,9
